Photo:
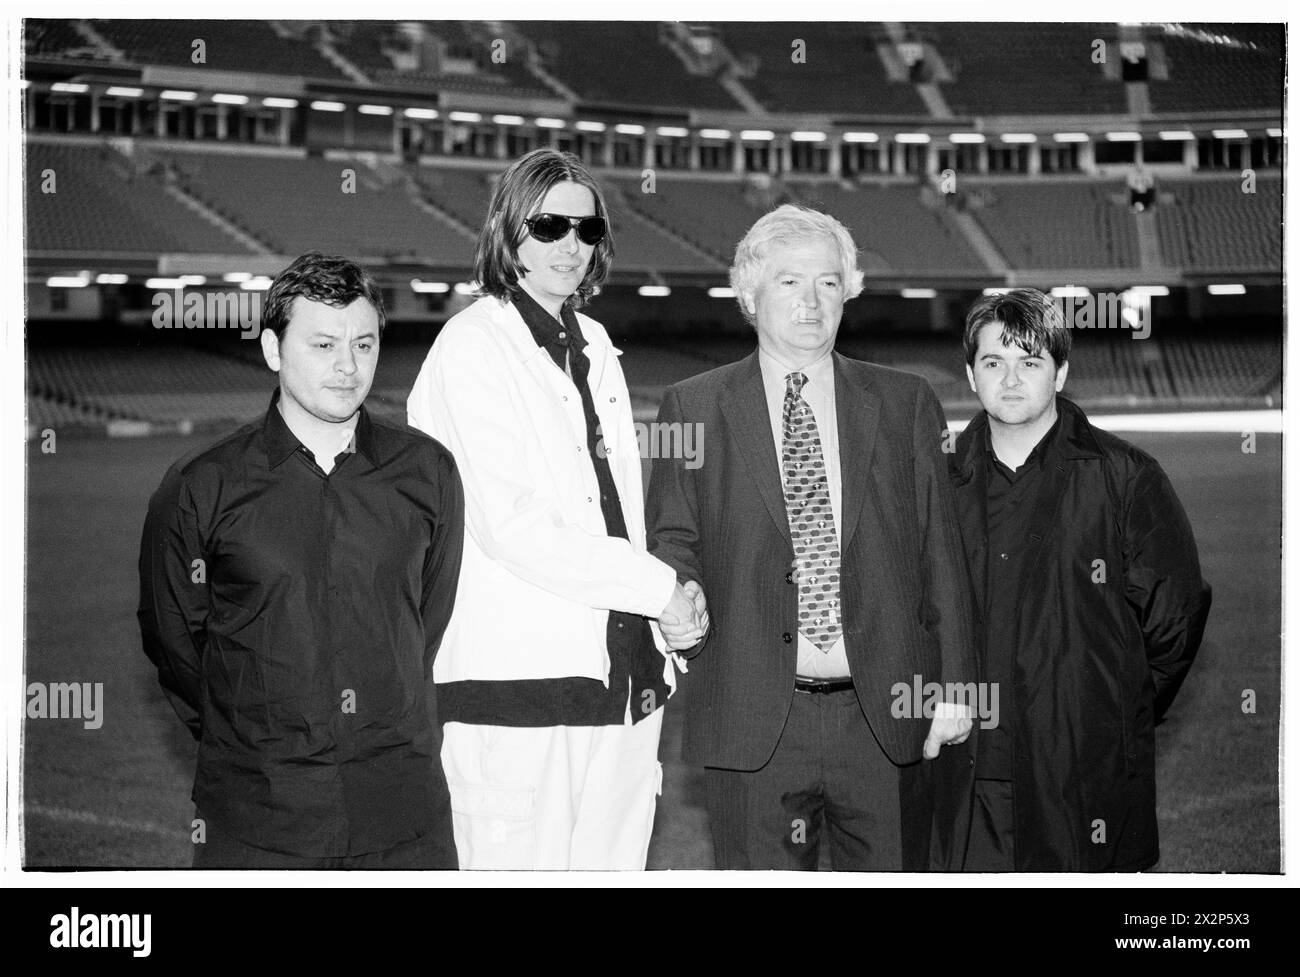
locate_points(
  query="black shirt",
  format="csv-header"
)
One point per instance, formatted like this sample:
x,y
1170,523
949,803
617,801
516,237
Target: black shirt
x,y
1012,496
294,617
635,664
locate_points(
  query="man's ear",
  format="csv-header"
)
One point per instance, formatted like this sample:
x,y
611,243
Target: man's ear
x,y
271,349
1061,374
970,376
747,302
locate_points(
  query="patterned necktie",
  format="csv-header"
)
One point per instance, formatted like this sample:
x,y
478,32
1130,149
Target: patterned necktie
x,y
812,522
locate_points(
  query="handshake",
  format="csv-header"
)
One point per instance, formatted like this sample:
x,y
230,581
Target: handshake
x,y
685,620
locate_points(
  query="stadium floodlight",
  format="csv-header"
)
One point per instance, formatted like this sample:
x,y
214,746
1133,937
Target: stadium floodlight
x,y
545,123
996,291
918,138
222,98
965,137
68,281
1230,134
466,288
723,292
177,95
70,87
508,120
1070,136
629,129
111,279
1226,289
164,284
1160,291
715,133
375,109
918,293
429,288
1123,137
324,105
672,132
188,280
413,112
275,102
258,284
124,91
235,277
1274,132
654,291
585,125
861,137
1177,135
756,135
1069,292
465,116
1019,137
807,136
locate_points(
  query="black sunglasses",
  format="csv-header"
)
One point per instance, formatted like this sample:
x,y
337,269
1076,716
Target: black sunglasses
x,y
551,227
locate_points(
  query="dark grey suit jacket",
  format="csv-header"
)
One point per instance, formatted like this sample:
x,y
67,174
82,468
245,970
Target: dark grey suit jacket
x,y
905,593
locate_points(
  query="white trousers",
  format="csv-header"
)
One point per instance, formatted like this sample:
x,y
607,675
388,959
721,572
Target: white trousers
x,y
561,798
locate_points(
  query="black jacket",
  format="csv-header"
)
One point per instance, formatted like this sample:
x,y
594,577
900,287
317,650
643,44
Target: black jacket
x,y
1112,608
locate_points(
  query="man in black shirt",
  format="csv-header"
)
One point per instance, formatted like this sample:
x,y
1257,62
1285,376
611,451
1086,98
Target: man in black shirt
x,y
1085,571
295,582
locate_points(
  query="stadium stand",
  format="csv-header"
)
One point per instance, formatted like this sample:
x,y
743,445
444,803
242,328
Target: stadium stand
x,y
638,70
230,45
1057,224
57,38
101,203
1015,69
1211,225
834,51
1219,66
710,214
894,228
298,204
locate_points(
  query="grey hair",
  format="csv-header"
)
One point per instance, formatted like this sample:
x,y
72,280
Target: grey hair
x,y
790,224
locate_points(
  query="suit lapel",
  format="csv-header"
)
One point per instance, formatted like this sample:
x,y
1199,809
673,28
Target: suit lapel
x,y
857,407
744,405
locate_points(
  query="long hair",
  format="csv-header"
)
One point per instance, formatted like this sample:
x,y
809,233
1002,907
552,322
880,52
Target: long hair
x,y
518,194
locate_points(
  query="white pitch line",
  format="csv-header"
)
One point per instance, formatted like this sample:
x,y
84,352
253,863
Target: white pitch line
x,y
98,820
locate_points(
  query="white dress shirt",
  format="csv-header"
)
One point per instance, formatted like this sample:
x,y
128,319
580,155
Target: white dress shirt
x,y
819,394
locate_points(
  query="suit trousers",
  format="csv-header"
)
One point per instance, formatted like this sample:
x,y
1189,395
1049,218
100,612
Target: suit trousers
x,y
221,850
553,797
828,778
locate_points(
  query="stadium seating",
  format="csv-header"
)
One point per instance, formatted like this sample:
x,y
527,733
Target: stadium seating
x,y
230,45
55,38
298,204
833,53
102,205
636,69
1014,69
1207,72
1211,225
1057,224
710,214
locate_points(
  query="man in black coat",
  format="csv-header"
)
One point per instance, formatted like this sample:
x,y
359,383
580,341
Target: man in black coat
x,y
1092,607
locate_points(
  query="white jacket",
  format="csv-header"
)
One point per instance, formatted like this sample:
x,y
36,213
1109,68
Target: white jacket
x,y
539,573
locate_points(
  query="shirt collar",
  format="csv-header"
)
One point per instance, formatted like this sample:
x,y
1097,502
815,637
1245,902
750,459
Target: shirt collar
x,y
281,442
821,375
1035,456
546,329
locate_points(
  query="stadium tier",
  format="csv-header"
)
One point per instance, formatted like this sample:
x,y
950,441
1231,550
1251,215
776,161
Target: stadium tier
x,y
786,78
94,199
1058,225
1220,66
1026,69
1211,225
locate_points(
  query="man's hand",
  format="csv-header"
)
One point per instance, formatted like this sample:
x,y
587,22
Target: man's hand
x,y
686,618
946,731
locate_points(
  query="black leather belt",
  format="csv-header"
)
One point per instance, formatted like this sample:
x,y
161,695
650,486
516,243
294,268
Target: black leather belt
x,y
820,687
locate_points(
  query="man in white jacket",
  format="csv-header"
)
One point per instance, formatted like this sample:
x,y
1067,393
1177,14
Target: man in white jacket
x,y
550,680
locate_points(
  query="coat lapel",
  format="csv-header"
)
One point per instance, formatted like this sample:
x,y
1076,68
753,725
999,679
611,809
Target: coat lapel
x,y
857,407
744,405
970,484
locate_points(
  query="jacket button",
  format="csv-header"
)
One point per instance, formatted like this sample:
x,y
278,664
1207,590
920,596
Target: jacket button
x,y
787,638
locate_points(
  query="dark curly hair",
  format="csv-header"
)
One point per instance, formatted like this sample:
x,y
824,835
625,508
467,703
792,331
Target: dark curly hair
x,y
328,278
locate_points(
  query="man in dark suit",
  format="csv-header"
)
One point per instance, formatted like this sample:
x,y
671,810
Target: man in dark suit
x,y
820,523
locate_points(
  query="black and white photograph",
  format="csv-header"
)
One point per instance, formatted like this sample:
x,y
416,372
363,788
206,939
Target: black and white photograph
x,y
541,447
